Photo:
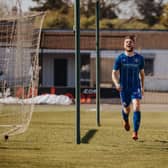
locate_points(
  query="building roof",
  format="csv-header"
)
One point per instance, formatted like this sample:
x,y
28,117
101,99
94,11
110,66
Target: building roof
x,y
109,39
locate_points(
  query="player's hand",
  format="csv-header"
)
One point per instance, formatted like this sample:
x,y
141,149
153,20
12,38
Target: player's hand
x,y
118,87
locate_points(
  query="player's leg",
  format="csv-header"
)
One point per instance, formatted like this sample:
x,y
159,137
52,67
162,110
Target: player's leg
x,y
125,100
136,117
125,116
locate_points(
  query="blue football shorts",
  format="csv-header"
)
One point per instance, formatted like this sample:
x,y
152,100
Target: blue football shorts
x,y
127,96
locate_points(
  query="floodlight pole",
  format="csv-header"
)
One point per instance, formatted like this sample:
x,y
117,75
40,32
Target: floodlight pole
x,y
77,68
97,64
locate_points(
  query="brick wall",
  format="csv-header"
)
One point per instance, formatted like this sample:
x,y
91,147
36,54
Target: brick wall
x,y
109,40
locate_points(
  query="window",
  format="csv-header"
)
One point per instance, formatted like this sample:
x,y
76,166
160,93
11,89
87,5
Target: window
x,y
149,66
85,70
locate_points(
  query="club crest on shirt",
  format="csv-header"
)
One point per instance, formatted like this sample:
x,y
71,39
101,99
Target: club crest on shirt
x,y
124,60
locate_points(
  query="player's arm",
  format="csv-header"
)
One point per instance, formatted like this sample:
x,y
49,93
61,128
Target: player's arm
x,y
115,79
142,77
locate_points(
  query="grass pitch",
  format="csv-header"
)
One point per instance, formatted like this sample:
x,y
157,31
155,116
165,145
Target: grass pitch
x,y
50,141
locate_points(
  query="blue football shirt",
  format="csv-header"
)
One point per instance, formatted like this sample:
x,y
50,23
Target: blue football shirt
x,y
129,68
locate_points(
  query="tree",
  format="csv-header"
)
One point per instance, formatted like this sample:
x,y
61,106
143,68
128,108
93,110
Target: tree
x,y
164,16
107,8
150,10
59,15
44,5
142,14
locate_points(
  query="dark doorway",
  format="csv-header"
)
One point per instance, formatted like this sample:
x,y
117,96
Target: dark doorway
x,y
149,66
85,70
60,72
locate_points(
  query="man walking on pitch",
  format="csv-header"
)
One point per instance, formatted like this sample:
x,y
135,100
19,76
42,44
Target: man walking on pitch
x,y
128,77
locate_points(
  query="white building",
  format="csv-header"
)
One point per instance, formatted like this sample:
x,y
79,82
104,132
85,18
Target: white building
x,y
57,57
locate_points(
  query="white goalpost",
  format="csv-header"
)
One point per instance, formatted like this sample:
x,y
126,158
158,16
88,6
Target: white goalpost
x,y
19,66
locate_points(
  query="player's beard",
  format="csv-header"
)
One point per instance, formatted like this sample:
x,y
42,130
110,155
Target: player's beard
x,y
129,49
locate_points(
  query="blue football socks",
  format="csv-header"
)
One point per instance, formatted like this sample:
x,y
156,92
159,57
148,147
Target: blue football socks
x,y
136,120
124,115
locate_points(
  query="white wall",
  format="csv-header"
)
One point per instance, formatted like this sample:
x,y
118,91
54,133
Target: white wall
x,y
156,84
159,81
48,69
71,71
161,64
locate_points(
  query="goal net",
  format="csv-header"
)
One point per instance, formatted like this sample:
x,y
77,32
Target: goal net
x,y
19,68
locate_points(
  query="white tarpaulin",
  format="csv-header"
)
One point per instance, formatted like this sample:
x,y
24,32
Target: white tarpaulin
x,y
42,99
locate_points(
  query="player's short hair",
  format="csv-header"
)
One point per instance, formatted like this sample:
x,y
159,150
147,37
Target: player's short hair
x,y
132,37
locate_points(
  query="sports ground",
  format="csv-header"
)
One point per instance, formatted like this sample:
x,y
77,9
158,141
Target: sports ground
x,y
50,140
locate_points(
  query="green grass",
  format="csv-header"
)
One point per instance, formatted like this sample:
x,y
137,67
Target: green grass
x,y
50,141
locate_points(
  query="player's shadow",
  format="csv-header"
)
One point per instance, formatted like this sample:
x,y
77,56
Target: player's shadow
x,y
162,141
18,148
88,136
